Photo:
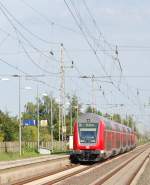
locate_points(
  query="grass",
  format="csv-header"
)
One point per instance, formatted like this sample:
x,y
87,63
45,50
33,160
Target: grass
x,y
26,154
61,152
141,142
15,156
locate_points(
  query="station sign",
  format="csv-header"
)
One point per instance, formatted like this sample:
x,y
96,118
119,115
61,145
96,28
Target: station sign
x,y
29,122
64,129
43,123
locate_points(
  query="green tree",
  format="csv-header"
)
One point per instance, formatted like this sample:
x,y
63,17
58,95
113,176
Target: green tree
x,y
125,122
45,134
45,111
99,113
91,109
44,114
131,122
74,110
8,127
2,136
117,118
74,106
30,111
29,133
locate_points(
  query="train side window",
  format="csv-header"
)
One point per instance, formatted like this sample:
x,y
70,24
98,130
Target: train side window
x,y
108,125
117,128
128,130
124,130
120,129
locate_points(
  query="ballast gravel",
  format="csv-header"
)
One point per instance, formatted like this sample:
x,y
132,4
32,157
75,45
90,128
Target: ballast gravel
x,y
145,177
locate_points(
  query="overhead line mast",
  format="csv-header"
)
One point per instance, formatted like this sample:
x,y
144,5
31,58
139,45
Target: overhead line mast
x,y
62,107
62,96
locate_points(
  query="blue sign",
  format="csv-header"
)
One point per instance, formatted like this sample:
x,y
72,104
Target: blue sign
x,y
29,122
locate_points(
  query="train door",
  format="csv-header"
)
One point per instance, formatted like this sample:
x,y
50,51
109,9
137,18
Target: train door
x,y
108,140
118,137
108,137
113,139
124,138
121,139
105,138
129,138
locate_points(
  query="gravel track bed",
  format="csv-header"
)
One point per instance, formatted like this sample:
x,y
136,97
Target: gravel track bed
x,y
145,177
89,177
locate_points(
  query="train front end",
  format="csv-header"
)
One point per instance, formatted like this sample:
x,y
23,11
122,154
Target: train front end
x,y
87,139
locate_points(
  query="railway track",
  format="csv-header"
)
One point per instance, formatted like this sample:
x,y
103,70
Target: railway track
x,y
44,175
126,173
72,175
138,174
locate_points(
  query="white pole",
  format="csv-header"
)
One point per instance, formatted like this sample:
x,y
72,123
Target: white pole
x,y
20,148
71,119
59,124
93,103
38,119
62,95
77,111
51,123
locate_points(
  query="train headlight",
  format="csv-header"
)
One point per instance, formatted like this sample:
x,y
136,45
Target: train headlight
x,y
102,151
87,147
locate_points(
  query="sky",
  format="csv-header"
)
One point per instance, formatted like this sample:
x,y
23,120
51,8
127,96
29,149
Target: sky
x,y
90,32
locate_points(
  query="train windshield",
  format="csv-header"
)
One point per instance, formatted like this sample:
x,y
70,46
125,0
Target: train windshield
x,y
88,132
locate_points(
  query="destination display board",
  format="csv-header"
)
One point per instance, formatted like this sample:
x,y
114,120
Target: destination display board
x,y
86,125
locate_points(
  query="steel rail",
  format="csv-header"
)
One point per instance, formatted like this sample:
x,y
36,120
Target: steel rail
x,y
139,172
105,178
102,180
28,180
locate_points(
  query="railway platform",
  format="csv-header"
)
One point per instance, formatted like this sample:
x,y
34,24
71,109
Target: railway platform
x,y
12,171
31,160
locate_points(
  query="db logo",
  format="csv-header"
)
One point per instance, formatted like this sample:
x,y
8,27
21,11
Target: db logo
x,y
87,147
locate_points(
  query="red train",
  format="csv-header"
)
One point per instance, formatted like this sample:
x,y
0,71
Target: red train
x,y
96,138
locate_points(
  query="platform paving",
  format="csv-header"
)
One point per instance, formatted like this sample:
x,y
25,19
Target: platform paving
x,y
20,162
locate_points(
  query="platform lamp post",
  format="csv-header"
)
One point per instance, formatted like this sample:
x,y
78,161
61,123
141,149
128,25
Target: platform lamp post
x,y
51,120
70,119
52,126
20,123
19,107
59,120
70,104
38,120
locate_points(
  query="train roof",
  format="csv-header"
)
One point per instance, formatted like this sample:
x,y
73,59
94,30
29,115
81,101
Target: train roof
x,y
95,118
92,117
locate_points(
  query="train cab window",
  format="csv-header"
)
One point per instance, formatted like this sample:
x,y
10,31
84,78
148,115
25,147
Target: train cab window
x,y
88,132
